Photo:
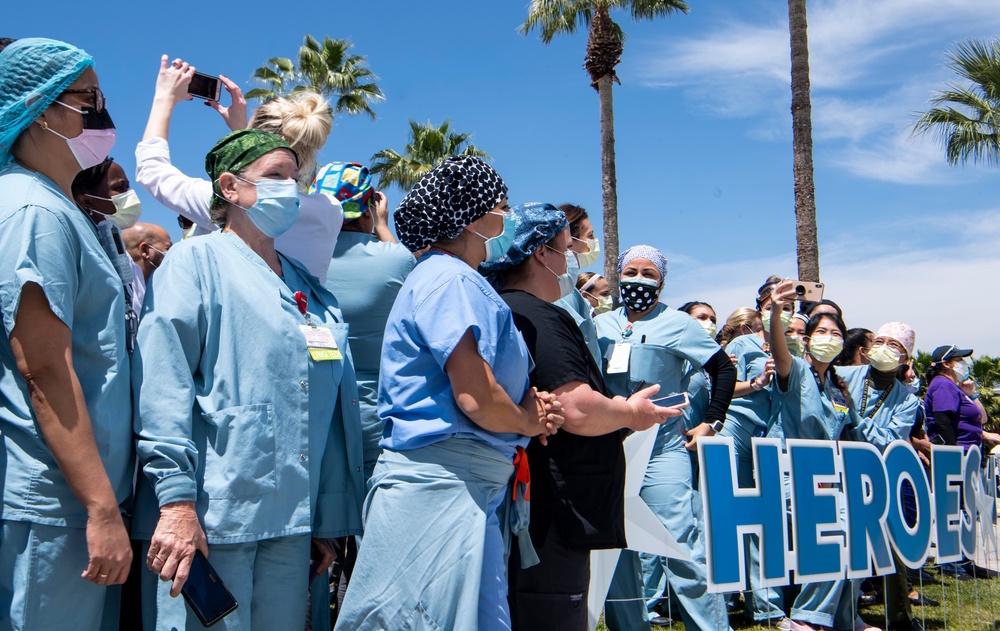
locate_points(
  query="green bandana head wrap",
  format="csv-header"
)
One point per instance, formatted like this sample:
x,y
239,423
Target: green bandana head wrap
x,y
235,151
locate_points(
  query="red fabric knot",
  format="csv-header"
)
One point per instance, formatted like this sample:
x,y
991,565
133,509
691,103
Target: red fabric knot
x,y
522,474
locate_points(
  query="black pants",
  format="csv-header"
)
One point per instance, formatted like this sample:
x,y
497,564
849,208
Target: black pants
x,y
553,594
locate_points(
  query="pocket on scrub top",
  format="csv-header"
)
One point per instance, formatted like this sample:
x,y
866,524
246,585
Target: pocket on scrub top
x,y
654,364
240,452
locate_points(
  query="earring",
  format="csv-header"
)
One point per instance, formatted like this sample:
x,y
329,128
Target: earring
x,y
44,125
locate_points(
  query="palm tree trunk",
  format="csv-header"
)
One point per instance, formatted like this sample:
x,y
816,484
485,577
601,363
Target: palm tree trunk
x,y
807,246
609,181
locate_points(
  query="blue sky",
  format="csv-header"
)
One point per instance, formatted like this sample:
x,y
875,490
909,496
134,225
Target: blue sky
x,y
702,126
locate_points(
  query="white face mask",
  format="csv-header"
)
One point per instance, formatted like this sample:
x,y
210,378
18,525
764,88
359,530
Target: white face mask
x,y
127,208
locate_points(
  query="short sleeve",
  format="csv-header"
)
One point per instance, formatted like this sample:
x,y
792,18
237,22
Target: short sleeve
x,y
451,309
37,246
556,351
695,344
945,398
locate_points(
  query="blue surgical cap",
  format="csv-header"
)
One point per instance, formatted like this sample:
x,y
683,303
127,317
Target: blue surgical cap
x,y
537,224
33,73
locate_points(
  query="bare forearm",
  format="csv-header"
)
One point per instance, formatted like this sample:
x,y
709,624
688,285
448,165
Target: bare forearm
x,y
65,424
383,234
158,125
493,410
589,413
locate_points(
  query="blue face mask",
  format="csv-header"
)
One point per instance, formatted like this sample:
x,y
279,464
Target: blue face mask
x,y
496,247
276,208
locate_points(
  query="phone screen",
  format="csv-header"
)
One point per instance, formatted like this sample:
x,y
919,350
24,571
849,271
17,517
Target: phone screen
x,y
671,400
204,86
205,592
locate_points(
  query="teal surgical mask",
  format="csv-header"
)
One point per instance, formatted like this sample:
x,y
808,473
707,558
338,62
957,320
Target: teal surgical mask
x,y
496,247
276,208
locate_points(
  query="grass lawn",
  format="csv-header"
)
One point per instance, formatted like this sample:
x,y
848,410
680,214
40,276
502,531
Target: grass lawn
x,y
965,606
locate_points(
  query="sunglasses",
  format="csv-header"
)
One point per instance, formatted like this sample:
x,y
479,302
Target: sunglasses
x,y
99,100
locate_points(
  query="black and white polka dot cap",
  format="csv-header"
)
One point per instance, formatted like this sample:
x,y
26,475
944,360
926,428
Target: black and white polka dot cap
x,y
451,196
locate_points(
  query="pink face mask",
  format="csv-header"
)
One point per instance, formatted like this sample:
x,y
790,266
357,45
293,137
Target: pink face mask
x,y
93,144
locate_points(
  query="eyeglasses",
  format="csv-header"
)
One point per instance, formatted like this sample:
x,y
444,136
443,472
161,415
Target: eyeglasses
x,y
184,222
99,100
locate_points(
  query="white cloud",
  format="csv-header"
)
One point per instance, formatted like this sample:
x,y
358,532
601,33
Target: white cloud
x,y
866,84
946,292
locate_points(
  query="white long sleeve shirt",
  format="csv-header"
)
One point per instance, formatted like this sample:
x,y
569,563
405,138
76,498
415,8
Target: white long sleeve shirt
x,y
310,240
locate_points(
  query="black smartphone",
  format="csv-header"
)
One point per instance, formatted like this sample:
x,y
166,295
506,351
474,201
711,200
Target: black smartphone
x,y
205,86
938,440
205,593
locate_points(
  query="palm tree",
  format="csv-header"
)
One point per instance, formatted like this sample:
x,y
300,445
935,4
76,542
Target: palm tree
x,y
967,117
427,147
328,68
605,43
807,245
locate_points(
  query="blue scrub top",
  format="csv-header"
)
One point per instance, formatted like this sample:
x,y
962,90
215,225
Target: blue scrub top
x,y
441,299
893,419
805,412
231,411
365,276
753,412
45,239
577,306
661,342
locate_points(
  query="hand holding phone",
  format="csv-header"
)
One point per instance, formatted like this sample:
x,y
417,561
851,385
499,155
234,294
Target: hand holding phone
x,y
205,593
205,86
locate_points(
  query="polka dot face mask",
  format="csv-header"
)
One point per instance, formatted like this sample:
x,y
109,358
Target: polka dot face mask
x,y
639,294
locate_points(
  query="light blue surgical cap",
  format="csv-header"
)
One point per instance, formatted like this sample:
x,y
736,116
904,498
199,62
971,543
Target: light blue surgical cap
x,y
33,73
647,252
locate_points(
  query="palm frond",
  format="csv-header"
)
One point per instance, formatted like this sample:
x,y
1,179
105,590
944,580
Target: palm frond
x,y
556,17
426,146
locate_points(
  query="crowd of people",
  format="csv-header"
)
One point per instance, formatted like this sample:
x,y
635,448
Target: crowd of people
x,y
422,434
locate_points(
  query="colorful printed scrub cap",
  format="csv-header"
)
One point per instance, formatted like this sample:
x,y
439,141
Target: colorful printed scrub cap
x,y
237,150
902,333
33,73
647,252
448,198
537,224
347,182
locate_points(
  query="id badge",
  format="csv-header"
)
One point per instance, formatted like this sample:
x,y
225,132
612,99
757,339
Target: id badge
x,y
618,363
838,400
322,346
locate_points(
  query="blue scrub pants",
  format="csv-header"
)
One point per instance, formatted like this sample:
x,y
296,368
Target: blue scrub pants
x,y
433,551
763,603
40,583
668,489
268,578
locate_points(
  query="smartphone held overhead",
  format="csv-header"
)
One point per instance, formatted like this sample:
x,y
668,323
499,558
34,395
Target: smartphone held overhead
x,y
807,291
205,86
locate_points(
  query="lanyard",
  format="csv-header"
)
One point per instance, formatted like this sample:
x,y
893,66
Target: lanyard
x,y
879,402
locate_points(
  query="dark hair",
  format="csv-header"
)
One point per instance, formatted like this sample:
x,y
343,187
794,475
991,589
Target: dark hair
x,y
855,339
933,370
575,216
688,307
765,290
5,42
89,179
808,308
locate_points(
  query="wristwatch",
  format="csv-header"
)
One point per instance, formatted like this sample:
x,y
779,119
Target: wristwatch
x,y
716,426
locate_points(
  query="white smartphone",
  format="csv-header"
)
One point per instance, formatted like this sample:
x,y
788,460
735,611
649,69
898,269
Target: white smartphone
x,y
676,400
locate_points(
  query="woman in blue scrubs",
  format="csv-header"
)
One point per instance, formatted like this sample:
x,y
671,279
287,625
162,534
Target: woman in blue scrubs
x,y
645,342
814,402
65,406
455,398
248,427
